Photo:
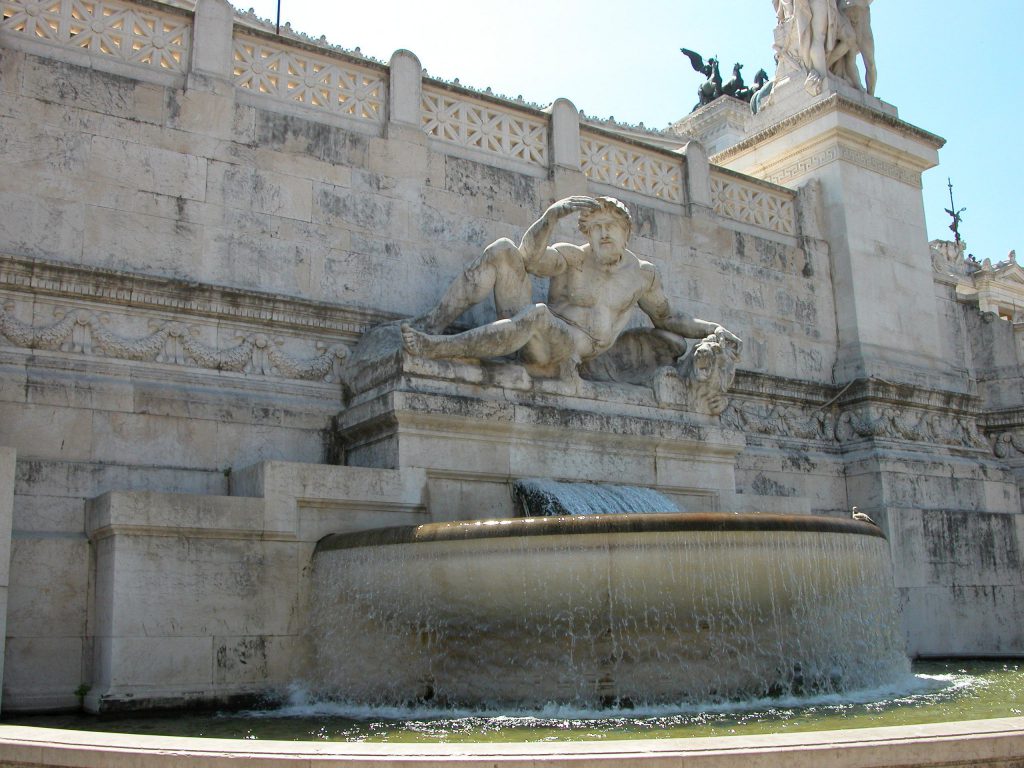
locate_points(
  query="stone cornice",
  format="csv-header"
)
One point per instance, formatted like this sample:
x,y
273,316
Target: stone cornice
x,y
109,286
880,391
1009,418
751,384
835,146
831,104
726,110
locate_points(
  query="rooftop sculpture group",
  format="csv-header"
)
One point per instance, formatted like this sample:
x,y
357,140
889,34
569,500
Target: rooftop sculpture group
x,y
714,88
816,37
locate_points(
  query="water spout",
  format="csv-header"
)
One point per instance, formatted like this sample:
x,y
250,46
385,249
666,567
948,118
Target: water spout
x,y
537,497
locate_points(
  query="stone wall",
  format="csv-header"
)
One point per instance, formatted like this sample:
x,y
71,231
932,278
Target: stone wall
x,y
200,228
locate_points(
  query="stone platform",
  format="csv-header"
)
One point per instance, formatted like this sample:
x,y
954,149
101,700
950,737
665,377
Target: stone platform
x,y
475,428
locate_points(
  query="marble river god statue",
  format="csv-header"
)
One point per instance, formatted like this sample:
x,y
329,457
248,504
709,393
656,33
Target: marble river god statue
x,y
581,329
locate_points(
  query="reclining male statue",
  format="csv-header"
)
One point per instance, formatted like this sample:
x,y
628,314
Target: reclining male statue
x,y
592,292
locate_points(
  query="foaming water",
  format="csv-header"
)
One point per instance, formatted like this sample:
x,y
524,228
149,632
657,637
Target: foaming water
x,y
598,621
938,692
301,702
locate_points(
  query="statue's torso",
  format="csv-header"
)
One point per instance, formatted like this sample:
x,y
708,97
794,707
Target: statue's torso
x,y
598,300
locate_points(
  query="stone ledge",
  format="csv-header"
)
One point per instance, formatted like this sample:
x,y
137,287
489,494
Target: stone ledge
x,y
996,743
834,103
172,514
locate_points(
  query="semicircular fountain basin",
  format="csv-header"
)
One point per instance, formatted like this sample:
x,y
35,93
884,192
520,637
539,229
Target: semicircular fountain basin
x,y
616,610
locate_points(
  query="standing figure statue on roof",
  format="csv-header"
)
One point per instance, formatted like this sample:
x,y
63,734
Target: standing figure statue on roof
x,y
822,37
858,13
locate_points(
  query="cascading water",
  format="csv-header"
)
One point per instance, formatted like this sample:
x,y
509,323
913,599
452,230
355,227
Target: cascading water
x,y
538,497
600,611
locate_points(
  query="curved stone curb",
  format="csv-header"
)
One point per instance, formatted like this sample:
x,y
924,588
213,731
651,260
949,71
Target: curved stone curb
x,y
950,745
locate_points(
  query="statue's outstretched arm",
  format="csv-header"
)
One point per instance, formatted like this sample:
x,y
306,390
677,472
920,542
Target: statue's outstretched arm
x,y
538,256
655,304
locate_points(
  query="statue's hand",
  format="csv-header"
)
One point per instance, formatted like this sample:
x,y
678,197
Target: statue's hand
x,y
727,336
570,205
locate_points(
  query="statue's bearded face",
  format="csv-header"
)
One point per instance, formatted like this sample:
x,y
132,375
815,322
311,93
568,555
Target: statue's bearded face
x,y
607,234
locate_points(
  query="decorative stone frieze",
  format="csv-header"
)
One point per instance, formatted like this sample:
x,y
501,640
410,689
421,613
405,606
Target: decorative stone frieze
x,y
624,166
173,342
777,408
889,423
108,313
133,33
741,200
303,77
780,420
1008,445
790,170
468,122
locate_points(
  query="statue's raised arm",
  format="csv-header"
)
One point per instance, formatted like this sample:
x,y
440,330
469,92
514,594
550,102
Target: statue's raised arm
x,y
539,258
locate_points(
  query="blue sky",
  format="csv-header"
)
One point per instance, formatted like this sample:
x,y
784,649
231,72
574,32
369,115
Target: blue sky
x,y
952,73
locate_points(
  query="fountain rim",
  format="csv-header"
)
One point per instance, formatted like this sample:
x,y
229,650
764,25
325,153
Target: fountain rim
x,y
577,525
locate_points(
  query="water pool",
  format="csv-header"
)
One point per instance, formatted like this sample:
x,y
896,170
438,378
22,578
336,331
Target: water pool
x,y
937,692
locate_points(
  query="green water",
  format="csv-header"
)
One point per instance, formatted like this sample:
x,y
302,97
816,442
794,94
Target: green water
x,y
939,691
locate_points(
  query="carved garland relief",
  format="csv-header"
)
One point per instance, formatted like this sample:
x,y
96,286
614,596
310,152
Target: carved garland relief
x,y
832,425
173,342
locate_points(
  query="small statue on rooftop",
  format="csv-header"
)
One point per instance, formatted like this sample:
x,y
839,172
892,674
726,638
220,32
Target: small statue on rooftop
x,y
956,213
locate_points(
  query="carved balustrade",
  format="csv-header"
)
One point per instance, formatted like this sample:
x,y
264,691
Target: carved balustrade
x,y
747,201
625,166
150,35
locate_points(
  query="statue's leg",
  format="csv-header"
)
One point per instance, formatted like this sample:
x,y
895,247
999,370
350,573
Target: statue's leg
x,y
548,338
819,34
500,270
866,43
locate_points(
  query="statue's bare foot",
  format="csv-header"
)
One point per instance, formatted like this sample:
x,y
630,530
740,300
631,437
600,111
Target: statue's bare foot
x,y
418,343
814,82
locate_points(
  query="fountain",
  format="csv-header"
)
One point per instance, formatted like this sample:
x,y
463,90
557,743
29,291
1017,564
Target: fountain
x,y
614,610
180,324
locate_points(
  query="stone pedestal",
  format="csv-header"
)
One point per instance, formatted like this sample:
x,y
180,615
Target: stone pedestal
x,y
869,164
718,125
201,599
914,456
475,428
